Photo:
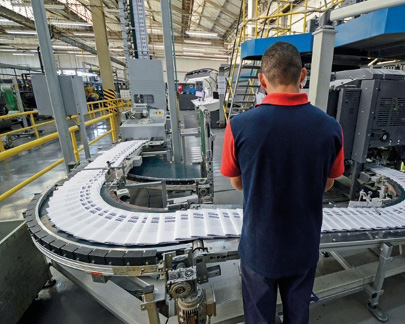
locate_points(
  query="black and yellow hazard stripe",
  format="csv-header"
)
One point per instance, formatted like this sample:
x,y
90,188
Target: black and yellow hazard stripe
x,y
109,94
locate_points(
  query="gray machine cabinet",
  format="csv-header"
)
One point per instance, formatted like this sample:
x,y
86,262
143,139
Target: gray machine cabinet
x,y
23,270
346,115
147,83
73,95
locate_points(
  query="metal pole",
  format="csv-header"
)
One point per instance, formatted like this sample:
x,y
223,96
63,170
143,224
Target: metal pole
x,y
174,110
52,80
83,135
103,53
363,7
321,66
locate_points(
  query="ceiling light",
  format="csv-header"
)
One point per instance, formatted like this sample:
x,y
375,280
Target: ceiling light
x,y
21,32
196,42
64,46
71,23
201,33
201,58
387,62
194,49
191,53
7,50
120,57
372,62
84,34
116,49
86,55
23,54
74,52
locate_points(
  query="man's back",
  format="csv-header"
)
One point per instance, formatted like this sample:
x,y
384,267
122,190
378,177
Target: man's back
x,y
285,154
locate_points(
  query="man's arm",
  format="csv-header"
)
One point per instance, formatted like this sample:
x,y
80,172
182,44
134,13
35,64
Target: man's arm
x,y
329,184
237,182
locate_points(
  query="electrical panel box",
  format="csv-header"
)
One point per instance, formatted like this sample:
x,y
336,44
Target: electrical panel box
x,y
73,95
147,83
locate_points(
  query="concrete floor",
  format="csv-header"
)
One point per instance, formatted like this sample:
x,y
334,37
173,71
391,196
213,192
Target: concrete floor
x,y
67,303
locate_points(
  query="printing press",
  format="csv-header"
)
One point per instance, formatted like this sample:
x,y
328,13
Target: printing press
x,y
178,262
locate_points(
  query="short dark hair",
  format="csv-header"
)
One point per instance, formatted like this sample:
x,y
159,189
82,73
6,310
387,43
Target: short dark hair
x,y
281,64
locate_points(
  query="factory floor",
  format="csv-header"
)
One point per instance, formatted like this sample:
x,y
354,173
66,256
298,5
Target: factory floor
x,y
67,303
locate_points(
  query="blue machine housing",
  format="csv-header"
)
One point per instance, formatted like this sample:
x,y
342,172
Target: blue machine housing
x,y
377,34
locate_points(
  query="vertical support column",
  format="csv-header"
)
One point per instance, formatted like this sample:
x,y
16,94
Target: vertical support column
x,y
174,110
103,54
251,14
376,291
321,65
52,81
221,93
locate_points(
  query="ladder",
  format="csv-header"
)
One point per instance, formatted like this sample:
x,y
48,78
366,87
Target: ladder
x,y
244,89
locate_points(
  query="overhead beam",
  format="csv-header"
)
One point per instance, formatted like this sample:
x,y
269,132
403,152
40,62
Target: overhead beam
x,y
223,10
57,33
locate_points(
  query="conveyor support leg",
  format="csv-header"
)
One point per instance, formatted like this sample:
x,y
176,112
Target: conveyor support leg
x,y
149,304
376,290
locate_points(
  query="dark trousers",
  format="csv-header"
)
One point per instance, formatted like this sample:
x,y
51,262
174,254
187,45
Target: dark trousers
x,y
260,296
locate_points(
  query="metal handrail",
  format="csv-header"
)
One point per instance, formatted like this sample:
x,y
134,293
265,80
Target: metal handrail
x,y
276,15
108,113
118,105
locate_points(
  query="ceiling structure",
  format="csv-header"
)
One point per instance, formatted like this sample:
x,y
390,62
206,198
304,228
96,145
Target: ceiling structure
x,y
202,28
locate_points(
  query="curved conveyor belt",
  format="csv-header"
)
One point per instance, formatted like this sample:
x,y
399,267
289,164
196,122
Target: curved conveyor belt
x,y
83,223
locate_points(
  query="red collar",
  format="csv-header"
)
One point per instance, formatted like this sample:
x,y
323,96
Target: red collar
x,y
285,99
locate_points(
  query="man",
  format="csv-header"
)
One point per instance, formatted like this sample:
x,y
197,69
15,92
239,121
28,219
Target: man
x,y
284,153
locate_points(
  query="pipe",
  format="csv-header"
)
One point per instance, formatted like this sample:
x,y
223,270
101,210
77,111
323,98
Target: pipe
x,y
363,8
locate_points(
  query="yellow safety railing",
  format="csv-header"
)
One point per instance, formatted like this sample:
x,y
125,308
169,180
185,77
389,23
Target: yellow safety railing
x,y
101,107
272,22
108,111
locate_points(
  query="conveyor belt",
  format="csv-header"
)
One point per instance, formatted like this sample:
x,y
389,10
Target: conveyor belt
x,y
77,208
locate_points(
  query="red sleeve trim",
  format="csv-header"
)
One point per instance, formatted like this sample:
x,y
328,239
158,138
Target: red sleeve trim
x,y
338,167
230,166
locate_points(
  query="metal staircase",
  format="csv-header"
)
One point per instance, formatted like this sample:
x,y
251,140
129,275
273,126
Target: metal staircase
x,y
244,88
242,82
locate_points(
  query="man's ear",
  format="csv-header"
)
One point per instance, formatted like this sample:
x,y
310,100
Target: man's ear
x,y
263,81
303,74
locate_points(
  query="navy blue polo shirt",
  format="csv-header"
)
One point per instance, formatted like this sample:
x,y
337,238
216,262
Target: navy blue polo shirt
x,y
285,150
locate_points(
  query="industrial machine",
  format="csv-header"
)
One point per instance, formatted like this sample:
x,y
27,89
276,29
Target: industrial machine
x,y
163,265
370,106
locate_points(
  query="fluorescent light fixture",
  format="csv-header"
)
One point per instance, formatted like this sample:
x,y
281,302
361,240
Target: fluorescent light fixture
x,y
201,33
116,49
86,55
121,57
194,49
64,47
74,52
7,50
372,62
84,34
55,6
201,58
192,53
71,23
387,62
23,54
187,41
21,32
